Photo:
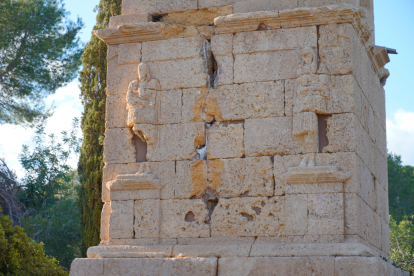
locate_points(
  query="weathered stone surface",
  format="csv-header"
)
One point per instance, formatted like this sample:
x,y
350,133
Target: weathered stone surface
x,y
325,214
129,18
121,220
263,5
238,176
172,142
225,69
248,217
118,146
198,17
119,77
130,251
318,3
225,141
269,136
222,45
296,214
347,266
147,215
277,266
305,127
105,215
385,237
92,267
193,105
244,101
116,112
157,6
155,266
184,218
129,53
169,106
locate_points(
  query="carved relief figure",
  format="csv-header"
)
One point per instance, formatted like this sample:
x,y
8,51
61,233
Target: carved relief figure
x,y
141,97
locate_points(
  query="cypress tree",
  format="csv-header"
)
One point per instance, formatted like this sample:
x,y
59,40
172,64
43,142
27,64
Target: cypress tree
x,y
93,95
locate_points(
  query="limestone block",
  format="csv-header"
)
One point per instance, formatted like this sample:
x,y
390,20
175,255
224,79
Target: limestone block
x,y
305,126
115,21
105,214
121,220
162,170
147,218
381,136
184,218
225,69
190,180
368,187
169,106
92,267
157,6
160,266
193,105
225,141
112,51
206,32
287,266
380,170
118,146
348,164
172,142
370,266
130,251
382,204
385,238
296,214
238,176
244,101
269,136
203,4
222,45
318,3
325,214
263,5
116,113
129,53
248,217
198,17
119,77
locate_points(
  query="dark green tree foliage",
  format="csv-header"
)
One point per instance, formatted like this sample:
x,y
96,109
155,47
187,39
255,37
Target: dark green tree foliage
x,y
39,52
400,188
20,255
402,243
93,95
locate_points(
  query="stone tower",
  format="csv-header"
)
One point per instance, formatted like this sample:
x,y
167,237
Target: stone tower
x,y
244,137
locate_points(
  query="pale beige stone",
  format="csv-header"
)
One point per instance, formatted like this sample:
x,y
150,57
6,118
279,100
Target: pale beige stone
x,y
345,266
248,217
157,6
118,146
206,32
263,5
154,266
129,53
305,126
130,251
296,214
143,242
325,214
244,101
382,203
116,113
277,266
121,220
225,141
147,215
193,105
234,177
105,215
385,237
198,17
119,77
317,3
222,45
169,106
202,4
176,212
92,267
172,142
225,69
115,21
112,52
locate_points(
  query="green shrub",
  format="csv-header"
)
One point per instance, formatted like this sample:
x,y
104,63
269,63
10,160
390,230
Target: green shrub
x,y
20,255
402,243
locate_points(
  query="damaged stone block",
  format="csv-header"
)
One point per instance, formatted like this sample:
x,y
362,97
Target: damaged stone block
x,y
147,215
169,107
184,218
116,113
117,20
119,77
157,6
118,146
250,176
198,17
92,267
296,214
248,217
172,142
121,220
105,215
325,214
244,101
305,125
129,53
263,5
385,237
225,141
193,105
222,45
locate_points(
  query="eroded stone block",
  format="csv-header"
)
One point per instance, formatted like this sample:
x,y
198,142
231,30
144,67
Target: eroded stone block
x,y
197,18
116,113
147,215
105,215
263,5
157,6
225,141
250,100
92,267
325,214
169,106
117,20
121,220
119,77
347,266
296,214
385,237
222,45
184,218
248,217
250,176
193,105
118,146
129,53
225,69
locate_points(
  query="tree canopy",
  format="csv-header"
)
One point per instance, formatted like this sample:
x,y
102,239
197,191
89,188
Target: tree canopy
x,y
39,52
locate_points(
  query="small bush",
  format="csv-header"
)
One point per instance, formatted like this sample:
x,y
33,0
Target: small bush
x,y
402,243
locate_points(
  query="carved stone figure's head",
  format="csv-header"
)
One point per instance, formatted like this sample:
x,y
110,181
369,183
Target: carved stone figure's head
x,y
309,59
143,72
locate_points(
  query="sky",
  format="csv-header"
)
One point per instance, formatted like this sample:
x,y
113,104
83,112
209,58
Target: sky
x,y
394,28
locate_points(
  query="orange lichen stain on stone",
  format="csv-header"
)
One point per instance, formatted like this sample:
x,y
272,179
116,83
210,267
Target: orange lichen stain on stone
x,y
198,177
199,105
215,168
212,108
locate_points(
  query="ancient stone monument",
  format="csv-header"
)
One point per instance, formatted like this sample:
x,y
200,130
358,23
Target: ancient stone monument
x,y
244,137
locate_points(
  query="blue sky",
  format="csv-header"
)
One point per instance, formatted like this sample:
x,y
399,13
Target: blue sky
x,y
394,28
